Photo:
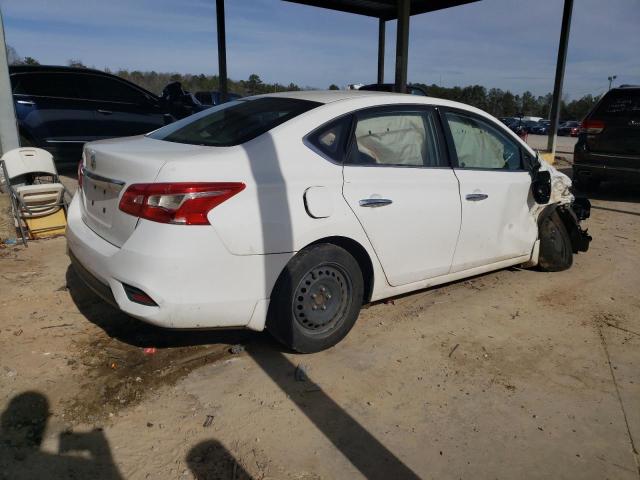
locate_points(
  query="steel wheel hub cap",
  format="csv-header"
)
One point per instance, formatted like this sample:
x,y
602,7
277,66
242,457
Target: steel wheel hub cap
x,y
322,298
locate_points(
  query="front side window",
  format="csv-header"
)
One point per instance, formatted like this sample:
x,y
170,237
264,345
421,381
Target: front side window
x,y
233,123
105,89
406,139
480,145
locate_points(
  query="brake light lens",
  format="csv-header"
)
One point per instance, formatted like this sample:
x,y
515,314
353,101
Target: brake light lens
x,y
80,174
592,127
177,203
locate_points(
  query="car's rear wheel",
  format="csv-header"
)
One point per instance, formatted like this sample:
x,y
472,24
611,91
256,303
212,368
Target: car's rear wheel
x,y
556,253
317,299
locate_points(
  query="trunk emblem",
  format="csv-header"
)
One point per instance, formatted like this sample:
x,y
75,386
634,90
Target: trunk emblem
x,y
92,160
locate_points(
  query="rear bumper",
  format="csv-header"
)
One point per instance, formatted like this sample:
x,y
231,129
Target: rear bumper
x,y
187,271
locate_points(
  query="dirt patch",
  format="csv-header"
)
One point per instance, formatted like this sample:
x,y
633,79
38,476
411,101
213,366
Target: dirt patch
x,y
117,376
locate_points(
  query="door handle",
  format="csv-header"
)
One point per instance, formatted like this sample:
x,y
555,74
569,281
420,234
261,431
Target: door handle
x,y
476,197
105,112
375,202
25,102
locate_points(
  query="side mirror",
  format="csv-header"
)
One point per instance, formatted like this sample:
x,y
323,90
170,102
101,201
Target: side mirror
x,y
541,187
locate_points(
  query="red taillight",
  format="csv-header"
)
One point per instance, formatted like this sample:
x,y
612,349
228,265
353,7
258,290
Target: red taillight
x,y
592,127
178,203
80,175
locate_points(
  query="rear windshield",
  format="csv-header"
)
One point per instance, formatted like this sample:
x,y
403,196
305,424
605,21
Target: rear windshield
x,y
233,123
619,103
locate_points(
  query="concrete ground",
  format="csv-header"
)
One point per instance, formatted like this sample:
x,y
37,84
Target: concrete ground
x,y
512,374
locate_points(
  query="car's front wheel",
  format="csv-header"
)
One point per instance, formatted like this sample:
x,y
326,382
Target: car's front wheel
x,y
317,299
556,252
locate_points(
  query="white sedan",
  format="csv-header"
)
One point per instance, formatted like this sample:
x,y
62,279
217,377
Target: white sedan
x,y
290,211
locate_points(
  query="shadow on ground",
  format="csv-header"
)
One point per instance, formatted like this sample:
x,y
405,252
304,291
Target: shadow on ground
x,y
80,455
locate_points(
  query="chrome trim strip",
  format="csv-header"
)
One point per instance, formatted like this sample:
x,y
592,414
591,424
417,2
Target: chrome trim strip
x,y
99,178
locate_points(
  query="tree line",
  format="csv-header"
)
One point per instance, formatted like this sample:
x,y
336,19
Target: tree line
x,y
498,102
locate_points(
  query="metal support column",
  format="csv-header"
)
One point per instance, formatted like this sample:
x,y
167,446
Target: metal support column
x,y
8,136
381,41
222,50
560,65
8,129
402,45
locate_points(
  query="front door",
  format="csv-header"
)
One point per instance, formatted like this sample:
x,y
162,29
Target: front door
x,y
399,184
495,192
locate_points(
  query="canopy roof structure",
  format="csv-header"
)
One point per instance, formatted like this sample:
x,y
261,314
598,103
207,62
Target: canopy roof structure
x,y
382,9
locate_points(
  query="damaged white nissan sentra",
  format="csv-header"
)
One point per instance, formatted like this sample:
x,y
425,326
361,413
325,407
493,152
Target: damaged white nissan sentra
x,y
289,211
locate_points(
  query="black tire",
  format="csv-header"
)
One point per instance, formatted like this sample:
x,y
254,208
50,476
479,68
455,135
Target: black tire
x,y
316,299
556,252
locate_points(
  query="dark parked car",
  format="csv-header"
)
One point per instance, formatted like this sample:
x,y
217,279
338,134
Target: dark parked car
x,y
390,87
61,108
212,98
571,128
541,128
609,143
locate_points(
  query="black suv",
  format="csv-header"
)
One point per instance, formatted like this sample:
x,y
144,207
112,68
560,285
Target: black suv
x,y
608,146
61,108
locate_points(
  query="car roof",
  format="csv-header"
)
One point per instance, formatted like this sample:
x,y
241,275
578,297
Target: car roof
x,y
326,96
13,69
385,98
52,68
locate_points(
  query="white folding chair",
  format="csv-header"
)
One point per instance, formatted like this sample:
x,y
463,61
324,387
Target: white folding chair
x,y
31,178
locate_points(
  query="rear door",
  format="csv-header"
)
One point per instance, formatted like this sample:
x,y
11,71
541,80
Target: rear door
x,y
619,116
494,189
399,184
119,109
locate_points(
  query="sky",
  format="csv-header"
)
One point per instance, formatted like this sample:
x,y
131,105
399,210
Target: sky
x,y
508,44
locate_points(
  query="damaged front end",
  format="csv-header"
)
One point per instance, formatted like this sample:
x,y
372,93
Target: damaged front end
x,y
571,210
571,215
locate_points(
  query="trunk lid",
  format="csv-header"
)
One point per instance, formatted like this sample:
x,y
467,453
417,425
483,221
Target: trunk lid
x,y
110,166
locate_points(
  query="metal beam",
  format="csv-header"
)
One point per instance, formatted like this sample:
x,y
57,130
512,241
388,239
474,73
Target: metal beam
x,y
560,66
8,127
381,41
222,50
402,45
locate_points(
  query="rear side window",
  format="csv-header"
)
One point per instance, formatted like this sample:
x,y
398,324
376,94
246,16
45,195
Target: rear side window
x,y
619,103
330,139
59,85
403,139
234,122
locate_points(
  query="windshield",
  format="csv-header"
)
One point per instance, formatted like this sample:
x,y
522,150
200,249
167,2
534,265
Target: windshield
x,y
233,123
